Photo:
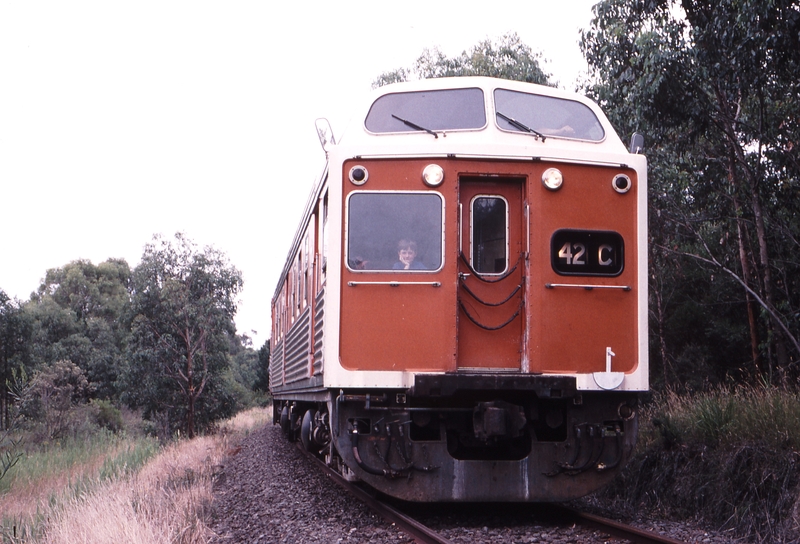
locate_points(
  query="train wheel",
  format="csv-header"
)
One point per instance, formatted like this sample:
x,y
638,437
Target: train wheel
x,y
306,430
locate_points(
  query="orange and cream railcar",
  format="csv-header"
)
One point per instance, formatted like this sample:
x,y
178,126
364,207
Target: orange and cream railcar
x,y
463,314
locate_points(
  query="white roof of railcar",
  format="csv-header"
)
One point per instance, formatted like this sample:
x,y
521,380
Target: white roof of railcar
x,y
356,134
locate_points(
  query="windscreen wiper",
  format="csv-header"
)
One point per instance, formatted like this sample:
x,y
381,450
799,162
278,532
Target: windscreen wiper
x,y
520,125
414,125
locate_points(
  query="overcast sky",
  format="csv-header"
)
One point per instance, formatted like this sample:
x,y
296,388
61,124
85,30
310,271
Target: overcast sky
x,y
119,120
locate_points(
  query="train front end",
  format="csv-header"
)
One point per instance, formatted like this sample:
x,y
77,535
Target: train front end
x,y
485,335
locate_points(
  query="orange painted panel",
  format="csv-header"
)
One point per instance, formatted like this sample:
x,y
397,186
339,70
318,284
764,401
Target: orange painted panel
x,y
572,327
398,328
419,327
409,326
575,327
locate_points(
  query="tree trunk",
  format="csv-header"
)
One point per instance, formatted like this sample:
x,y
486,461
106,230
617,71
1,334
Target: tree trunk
x,y
4,419
190,397
189,386
747,273
763,254
727,117
190,417
662,341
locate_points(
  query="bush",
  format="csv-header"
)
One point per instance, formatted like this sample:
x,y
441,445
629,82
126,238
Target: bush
x,y
52,404
107,416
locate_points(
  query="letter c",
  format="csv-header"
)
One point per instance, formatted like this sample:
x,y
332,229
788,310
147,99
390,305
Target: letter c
x,y
605,262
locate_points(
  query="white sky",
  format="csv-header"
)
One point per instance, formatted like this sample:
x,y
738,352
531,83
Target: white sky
x,y
119,120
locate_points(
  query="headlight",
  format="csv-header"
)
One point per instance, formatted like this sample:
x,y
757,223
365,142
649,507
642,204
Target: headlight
x,y
433,175
622,183
358,175
552,179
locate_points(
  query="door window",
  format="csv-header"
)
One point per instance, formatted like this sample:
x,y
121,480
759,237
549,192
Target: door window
x,y
489,232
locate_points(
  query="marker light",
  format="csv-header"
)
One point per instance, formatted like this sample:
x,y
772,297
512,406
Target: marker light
x,y
358,175
433,175
622,183
552,179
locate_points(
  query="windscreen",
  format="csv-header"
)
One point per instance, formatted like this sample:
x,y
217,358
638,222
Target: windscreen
x,y
547,115
449,109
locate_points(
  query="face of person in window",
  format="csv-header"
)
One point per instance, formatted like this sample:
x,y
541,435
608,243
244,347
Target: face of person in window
x,y
407,256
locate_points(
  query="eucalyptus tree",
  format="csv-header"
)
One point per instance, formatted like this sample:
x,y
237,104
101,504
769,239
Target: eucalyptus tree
x,y
714,85
262,375
505,57
15,334
183,303
79,314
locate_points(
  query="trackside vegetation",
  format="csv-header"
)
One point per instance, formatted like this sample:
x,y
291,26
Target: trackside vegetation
x,y
159,338
105,368
119,486
727,458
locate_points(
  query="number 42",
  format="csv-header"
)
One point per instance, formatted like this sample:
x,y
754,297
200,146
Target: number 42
x,y
566,253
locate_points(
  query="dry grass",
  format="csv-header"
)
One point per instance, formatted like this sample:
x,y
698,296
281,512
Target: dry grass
x,y
167,500
47,476
244,422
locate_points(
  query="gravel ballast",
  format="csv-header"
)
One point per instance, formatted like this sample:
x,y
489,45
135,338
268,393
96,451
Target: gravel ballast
x,y
267,491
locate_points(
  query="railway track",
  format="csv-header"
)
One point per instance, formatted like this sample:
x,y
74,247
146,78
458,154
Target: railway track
x,y
426,535
409,525
615,528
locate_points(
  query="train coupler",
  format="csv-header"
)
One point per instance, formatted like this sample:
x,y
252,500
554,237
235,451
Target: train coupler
x,y
498,419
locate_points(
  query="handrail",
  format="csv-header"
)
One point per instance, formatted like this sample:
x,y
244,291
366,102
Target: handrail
x,y
587,286
394,283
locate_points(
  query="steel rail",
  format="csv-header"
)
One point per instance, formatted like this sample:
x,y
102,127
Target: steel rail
x,y
615,528
410,526
424,535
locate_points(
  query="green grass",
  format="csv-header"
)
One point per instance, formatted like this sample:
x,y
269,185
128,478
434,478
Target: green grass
x,y
729,457
118,453
129,458
725,417
60,471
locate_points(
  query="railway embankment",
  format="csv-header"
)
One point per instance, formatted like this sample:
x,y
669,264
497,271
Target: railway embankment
x,y
726,458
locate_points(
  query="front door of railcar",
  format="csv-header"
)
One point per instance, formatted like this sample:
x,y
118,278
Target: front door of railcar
x,y
491,290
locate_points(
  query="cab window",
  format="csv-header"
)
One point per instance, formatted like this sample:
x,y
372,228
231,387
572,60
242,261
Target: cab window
x,y
394,231
548,115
